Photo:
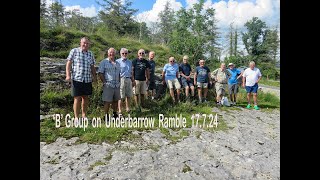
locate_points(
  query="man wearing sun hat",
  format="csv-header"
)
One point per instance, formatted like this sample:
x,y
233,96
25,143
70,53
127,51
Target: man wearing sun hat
x,y
233,82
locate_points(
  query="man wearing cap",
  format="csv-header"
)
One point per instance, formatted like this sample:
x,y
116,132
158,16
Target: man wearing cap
x,y
233,83
221,76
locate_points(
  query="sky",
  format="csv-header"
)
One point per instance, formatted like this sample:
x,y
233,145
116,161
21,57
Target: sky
x,y
227,11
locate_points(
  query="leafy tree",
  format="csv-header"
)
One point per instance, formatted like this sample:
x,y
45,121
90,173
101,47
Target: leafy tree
x,y
56,12
118,16
166,23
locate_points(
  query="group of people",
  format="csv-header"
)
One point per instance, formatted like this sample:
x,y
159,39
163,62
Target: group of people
x,y
122,79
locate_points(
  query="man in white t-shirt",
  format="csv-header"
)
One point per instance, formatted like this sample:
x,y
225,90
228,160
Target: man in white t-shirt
x,y
252,76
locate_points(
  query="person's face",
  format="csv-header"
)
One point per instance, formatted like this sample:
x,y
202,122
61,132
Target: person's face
x,y
84,44
223,66
251,65
231,67
171,61
201,63
111,54
151,55
140,54
185,60
124,54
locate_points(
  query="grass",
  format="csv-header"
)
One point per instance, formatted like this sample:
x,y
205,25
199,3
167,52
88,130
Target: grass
x,y
98,163
269,82
60,101
186,168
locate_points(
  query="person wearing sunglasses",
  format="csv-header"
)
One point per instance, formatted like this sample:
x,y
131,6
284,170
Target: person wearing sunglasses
x,y
126,80
141,74
170,77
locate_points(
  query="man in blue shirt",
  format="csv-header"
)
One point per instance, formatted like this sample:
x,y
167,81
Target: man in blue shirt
x,y
233,83
201,79
126,81
185,72
170,76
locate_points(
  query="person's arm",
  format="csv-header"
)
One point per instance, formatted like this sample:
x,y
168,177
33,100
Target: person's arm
x,y
101,75
241,74
214,75
132,74
94,73
243,79
259,76
68,69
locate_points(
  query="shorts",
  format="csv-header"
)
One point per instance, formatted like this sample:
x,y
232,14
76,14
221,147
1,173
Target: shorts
x,y
202,85
140,87
173,82
252,89
126,88
152,85
81,88
233,88
220,89
110,94
186,83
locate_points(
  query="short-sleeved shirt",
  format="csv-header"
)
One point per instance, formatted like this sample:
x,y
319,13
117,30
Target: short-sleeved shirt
x,y
234,74
81,65
152,69
111,72
170,71
185,69
126,67
222,76
140,67
251,76
202,74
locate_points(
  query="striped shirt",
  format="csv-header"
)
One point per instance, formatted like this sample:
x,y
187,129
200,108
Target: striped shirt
x,y
81,65
111,72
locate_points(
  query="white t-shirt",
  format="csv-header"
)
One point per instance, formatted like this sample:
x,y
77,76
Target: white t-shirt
x,y
251,76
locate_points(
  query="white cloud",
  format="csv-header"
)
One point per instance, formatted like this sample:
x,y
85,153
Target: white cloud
x,y
88,11
158,6
190,3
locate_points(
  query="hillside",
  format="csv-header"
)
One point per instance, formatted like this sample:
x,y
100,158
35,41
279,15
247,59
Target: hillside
x,y
57,43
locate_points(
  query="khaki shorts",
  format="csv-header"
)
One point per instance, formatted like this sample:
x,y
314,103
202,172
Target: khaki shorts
x,y
174,82
202,85
220,89
126,88
110,94
140,88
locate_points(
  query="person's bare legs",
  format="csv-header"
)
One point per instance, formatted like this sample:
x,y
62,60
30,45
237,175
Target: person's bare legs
x,y
199,93
178,95
153,93
231,97
136,100
114,106
76,106
85,102
172,95
142,97
119,105
192,90
248,97
127,104
255,98
106,107
205,92
234,98
187,91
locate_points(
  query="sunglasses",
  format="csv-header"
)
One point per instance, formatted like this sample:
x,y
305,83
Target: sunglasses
x,y
171,61
124,53
141,53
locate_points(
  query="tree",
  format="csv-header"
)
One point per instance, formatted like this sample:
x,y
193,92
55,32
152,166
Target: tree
x,y
118,16
272,43
43,9
166,23
56,11
253,38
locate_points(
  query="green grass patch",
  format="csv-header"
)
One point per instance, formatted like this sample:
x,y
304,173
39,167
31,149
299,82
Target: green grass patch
x,y
269,82
186,168
98,163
